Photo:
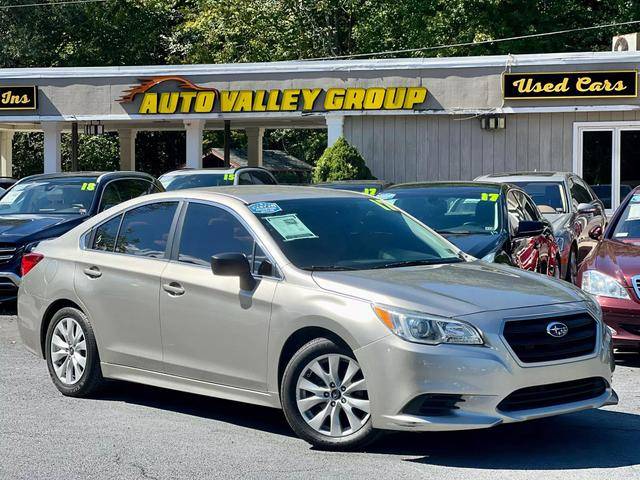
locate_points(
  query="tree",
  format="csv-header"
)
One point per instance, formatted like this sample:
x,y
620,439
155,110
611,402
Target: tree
x,y
341,161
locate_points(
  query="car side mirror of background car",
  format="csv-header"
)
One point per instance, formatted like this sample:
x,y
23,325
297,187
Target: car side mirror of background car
x,y
587,208
234,265
596,233
528,228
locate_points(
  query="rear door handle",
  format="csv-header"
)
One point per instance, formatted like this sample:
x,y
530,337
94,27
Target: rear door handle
x,y
92,272
173,288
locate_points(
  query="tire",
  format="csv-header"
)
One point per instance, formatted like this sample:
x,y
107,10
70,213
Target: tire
x,y
557,273
82,381
572,266
318,353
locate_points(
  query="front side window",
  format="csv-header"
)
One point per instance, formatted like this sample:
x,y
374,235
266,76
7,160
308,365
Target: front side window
x,y
196,180
452,209
145,230
628,226
64,195
350,233
244,178
579,194
209,231
547,195
515,211
262,178
530,212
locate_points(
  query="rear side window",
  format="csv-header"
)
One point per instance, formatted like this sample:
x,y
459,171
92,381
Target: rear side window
x,y
104,238
262,178
145,230
208,231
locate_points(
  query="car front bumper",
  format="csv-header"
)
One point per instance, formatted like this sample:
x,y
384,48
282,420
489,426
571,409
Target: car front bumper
x,y
481,377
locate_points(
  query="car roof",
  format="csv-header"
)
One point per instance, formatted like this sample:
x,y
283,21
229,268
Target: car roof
x,y
525,176
400,186
204,171
99,175
352,182
261,193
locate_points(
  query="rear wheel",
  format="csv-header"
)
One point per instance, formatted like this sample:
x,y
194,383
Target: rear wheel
x,y
325,399
72,354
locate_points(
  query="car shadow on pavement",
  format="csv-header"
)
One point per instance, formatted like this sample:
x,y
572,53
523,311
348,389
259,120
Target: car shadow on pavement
x,y
583,440
241,414
628,359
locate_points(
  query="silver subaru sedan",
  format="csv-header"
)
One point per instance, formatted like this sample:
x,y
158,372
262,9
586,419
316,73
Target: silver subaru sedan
x,y
339,308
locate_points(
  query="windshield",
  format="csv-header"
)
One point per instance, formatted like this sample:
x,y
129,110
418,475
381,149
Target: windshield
x,y
350,233
197,180
628,227
549,194
452,209
65,195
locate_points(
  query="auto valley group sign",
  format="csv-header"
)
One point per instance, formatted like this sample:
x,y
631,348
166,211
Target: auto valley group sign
x,y
177,95
548,85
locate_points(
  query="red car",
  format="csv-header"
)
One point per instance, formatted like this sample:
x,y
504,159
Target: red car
x,y
611,272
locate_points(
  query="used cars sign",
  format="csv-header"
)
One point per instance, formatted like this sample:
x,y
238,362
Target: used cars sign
x,y
611,84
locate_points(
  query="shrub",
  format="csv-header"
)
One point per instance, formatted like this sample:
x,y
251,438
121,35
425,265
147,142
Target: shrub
x,y
341,161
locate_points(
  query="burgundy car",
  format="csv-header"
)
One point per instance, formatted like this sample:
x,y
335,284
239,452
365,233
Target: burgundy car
x,y
611,272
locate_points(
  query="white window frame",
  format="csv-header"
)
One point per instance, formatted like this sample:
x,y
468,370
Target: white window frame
x,y
616,128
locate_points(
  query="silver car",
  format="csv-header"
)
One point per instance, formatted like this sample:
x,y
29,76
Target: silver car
x,y
335,306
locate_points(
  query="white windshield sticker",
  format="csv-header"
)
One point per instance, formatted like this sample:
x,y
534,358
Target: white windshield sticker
x,y
634,211
290,227
386,196
622,234
12,195
265,207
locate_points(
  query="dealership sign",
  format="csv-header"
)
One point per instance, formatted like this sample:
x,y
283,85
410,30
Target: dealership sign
x,y
18,98
183,96
609,84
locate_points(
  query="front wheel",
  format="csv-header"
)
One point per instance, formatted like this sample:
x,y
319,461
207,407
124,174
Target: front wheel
x,y
72,354
325,399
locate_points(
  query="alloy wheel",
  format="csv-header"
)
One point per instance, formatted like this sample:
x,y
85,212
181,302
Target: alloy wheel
x,y
68,351
331,395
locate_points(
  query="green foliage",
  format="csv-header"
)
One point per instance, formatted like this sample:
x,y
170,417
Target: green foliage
x,y
341,161
28,154
98,153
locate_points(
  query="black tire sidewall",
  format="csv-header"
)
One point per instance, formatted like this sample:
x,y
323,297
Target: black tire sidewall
x,y
91,376
311,350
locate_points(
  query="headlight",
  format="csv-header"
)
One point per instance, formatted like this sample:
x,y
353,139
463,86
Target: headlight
x,y
490,257
423,328
597,283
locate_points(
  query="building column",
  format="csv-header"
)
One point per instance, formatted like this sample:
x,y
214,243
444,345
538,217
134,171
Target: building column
x,y
52,154
254,146
194,128
127,139
6,153
335,128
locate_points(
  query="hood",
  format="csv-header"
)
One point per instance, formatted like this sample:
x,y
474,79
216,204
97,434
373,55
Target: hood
x,y
476,244
559,221
14,228
617,259
451,289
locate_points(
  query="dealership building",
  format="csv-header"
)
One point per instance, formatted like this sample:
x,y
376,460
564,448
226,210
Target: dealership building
x,y
412,119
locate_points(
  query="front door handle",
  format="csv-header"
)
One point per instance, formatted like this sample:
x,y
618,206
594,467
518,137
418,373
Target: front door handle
x,y
173,288
92,272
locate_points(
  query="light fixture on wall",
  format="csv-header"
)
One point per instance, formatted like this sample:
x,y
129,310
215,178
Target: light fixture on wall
x,y
94,128
493,122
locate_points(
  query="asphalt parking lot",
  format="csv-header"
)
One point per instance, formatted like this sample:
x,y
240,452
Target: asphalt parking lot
x,y
133,431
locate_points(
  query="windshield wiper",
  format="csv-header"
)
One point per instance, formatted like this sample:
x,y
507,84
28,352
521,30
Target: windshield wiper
x,y
454,231
415,263
327,268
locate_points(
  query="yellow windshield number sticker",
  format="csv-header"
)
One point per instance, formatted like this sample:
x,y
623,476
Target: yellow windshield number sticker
x,y
370,191
489,197
90,186
230,176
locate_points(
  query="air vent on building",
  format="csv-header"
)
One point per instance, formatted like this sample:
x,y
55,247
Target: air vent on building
x,y
626,43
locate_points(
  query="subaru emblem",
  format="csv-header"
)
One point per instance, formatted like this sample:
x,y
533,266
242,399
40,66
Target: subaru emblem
x,y
557,329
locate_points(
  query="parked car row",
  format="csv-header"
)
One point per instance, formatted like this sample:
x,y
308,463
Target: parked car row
x,y
340,308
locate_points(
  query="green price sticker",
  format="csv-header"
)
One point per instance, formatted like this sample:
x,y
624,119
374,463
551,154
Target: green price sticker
x,y
90,186
489,197
229,176
370,191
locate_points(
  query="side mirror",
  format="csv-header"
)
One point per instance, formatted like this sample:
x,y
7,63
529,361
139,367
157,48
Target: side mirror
x,y
529,228
587,208
234,265
596,233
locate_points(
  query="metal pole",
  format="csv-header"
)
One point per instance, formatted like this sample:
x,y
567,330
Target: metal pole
x,y
227,143
74,147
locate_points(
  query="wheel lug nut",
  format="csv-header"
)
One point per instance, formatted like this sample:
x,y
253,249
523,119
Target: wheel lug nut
x,y
332,385
333,404
344,400
343,388
326,394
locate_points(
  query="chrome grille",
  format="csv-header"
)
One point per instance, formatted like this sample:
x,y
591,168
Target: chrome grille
x,y
531,343
7,252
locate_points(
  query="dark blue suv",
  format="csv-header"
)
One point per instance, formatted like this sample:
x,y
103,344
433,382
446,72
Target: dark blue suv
x,y
46,206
